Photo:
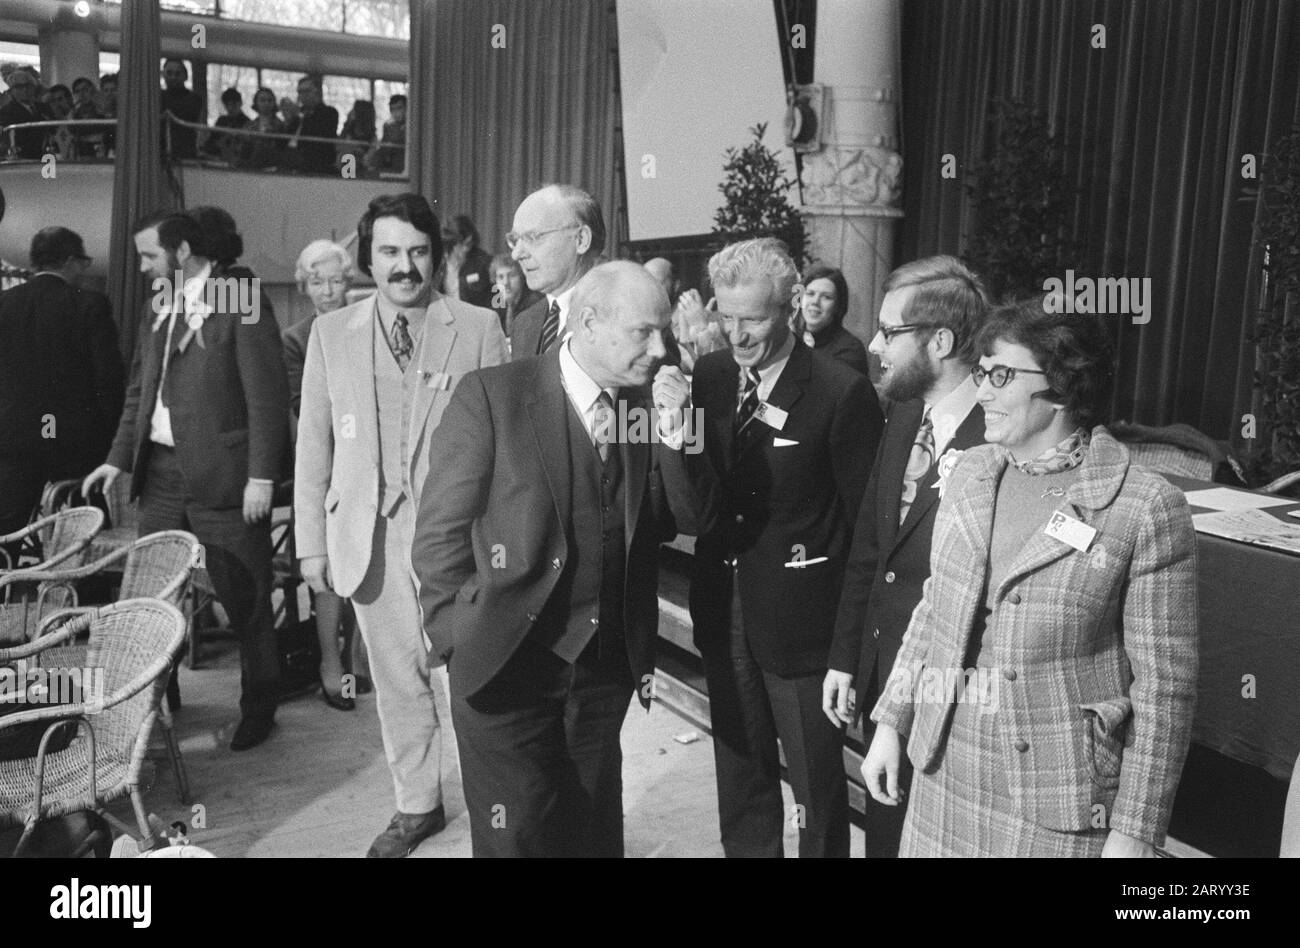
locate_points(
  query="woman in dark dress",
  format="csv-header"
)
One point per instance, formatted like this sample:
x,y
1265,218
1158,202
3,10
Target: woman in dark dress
x,y
820,320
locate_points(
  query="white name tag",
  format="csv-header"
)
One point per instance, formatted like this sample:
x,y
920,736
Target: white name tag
x,y
1069,531
771,416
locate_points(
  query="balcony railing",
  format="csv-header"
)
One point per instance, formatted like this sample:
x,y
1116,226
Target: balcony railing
x,y
92,140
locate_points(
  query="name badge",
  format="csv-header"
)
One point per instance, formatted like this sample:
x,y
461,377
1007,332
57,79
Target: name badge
x,y
1069,531
771,416
438,380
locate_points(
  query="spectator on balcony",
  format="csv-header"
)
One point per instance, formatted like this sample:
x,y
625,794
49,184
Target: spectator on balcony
x,y
58,99
184,104
312,119
21,109
108,106
390,154
229,147
359,137
88,140
265,152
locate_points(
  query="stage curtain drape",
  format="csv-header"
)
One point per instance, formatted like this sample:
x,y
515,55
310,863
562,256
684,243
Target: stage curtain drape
x,y
504,119
138,183
1155,127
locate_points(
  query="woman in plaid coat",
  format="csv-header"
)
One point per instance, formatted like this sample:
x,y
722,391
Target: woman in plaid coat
x,y
1046,683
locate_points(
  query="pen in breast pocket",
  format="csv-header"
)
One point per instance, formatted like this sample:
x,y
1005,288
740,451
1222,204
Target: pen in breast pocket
x,y
799,564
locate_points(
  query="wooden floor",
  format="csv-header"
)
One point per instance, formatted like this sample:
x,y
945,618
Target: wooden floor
x,y
320,786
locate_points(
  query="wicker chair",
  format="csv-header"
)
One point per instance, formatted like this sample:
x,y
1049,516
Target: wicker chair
x,y
134,643
157,566
63,537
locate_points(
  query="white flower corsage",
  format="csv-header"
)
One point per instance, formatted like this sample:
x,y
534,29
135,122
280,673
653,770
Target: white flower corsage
x,y
947,464
195,316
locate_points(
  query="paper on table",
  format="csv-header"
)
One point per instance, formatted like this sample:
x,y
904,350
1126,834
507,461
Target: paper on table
x,y
1225,498
1250,526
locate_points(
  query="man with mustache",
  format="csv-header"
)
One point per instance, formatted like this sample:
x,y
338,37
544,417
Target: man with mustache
x,y
378,375
925,342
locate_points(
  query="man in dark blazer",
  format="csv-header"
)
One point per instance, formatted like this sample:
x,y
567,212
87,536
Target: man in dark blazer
x,y
536,547
204,434
316,120
926,377
791,435
558,235
61,376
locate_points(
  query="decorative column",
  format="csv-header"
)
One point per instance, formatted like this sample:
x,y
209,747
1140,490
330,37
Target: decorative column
x,y
69,46
852,186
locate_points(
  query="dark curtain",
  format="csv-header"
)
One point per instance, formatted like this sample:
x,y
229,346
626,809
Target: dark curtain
x,y
503,121
1155,126
138,183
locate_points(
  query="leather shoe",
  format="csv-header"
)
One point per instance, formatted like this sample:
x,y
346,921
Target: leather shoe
x,y
339,702
405,832
251,732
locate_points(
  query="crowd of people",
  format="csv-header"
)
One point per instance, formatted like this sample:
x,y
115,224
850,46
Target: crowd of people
x,y
302,135
489,451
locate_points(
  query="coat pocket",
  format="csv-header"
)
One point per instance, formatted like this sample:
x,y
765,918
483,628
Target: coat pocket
x,y
1106,724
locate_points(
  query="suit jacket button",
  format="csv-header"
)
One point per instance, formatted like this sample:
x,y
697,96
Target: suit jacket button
x,y
595,622
876,633
1013,598
890,577
532,617
557,563
740,518
1021,746
1009,674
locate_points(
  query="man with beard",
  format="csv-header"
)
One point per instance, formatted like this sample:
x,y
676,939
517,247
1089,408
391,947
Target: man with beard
x,y
203,432
378,375
929,317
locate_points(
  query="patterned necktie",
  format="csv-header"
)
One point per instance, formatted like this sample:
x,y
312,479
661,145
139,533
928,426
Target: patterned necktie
x,y
918,462
550,328
400,342
745,409
604,425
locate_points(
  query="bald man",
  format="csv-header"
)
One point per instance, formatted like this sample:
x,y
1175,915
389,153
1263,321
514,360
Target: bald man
x,y
558,235
536,548
662,269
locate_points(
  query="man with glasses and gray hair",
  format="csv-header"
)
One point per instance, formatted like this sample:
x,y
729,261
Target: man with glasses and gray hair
x,y
558,235
790,433
929,317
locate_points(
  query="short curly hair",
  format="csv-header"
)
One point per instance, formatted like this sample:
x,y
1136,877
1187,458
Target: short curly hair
x,y
1076,353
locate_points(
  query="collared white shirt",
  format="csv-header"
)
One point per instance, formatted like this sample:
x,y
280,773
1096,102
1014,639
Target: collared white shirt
x,y
192,302
948,413
768,374
583,392
562,331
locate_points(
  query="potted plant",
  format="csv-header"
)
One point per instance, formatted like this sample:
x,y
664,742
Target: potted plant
x,y
756,189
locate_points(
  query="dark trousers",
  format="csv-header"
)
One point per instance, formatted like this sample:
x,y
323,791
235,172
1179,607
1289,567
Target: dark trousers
x,y
237,556
540,758
21,481
749,710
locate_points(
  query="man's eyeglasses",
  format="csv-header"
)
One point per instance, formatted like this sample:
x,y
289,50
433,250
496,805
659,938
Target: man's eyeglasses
x,y
889,332
999,375
529,238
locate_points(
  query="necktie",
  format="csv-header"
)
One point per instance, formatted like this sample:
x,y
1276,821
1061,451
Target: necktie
x,y
748,404
401,341
604,425
918,462
550,328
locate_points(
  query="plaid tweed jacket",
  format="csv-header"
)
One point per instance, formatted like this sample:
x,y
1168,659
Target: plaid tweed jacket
x,y
1096,650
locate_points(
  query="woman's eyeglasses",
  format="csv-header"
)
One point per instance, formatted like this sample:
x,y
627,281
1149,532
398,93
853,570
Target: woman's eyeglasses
x,y
999,375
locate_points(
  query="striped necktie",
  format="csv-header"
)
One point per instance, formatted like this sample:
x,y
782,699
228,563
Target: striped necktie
x,y
747,405
550,329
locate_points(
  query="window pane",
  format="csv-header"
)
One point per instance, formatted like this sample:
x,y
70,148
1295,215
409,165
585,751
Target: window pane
x,y
389,18
312,14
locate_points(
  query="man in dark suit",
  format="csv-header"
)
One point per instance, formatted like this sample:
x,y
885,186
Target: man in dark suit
x,y
510,294
536,547
183,103
204,434
316,120
930,314
795,433
21,109
61,376
558,235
